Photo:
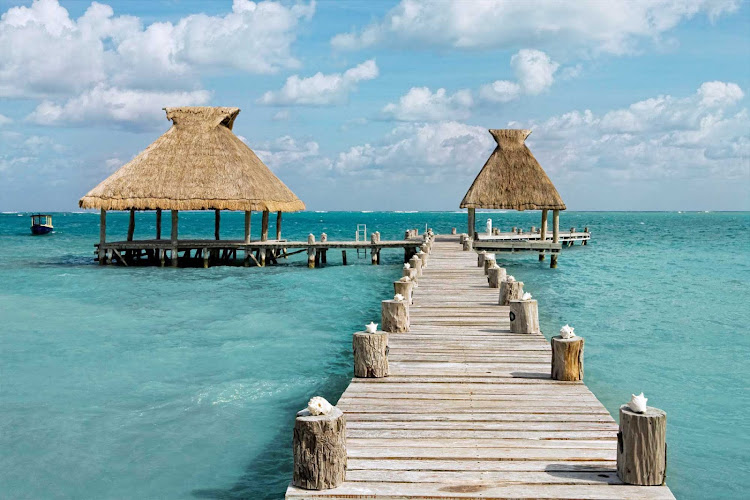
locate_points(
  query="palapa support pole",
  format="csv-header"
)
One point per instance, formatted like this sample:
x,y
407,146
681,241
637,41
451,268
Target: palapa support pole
x,y
567,358
480,258
278,225
311,251
217,224
642,447
404,288
102,235
524,316
495,276
489,261
173,239
471,222
510,290
131,224
370,354
319,447
248,219
158,223
543,232
416,264
395,316
264,226
555,237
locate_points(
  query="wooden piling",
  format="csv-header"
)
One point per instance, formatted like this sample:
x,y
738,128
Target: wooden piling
x,y
217,224
642,447
248,218
131,224
343,256
453,230
495,276
370,354
416,264
480,258
264,226
158,223
404,288
174,256
394,316
319,447
510,290
489,261
102,234
471,222
311,251
278,225
567,358
524,316
543,232
555,237
205,258
467,245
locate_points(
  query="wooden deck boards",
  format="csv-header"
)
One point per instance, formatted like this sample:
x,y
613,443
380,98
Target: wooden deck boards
x,y
469,410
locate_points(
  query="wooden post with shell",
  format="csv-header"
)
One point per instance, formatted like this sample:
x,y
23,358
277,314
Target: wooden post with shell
x,y
395,315
642,444
510,289
311,251
495,275
480,258
319,446
404,287
468,245
370,352
416,264
567,356
489,261
524,315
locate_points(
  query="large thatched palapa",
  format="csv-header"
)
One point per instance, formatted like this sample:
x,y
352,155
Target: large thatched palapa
x,y
512,179
198,164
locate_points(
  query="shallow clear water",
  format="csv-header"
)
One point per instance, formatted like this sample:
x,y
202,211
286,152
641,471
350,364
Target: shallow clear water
x,y
183,383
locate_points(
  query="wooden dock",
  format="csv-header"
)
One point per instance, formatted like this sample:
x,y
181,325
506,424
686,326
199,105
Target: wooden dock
x,y
470,411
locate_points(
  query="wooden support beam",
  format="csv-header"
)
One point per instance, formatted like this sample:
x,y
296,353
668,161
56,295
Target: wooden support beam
x,y
248,216
471,222
264,227
217,223
543,232
158,223
555,237
131,225
175,217
278,225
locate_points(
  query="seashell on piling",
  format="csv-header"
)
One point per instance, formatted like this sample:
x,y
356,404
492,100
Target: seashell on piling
x,y
566,332
638,403
319,406
526,296
398,297
371,327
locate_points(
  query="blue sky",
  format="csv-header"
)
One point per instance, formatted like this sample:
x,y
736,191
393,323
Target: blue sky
x,y
638,105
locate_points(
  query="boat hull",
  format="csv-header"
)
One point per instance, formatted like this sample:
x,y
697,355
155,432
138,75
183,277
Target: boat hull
x,y
41,229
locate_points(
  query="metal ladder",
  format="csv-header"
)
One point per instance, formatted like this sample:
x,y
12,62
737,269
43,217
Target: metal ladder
x,y
361,235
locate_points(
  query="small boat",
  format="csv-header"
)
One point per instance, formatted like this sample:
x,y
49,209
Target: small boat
x,y
41,224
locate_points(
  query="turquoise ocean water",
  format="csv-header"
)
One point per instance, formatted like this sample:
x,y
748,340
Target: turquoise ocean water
x,y
183,383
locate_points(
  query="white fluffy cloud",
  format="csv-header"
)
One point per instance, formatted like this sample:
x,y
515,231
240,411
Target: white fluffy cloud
x,y
421,104
592,25
320,89
700,136
535,72
46,54
114,106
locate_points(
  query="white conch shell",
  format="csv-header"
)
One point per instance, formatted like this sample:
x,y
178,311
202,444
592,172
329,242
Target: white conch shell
x,y
510,278
526,296
566,332
420,252
489,256
407,266
405,279
371,327
398,297
319,406
638,403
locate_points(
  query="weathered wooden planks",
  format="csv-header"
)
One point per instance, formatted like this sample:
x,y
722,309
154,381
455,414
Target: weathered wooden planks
x,y
470,410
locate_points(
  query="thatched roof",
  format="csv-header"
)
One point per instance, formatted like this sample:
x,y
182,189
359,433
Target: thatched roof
x,y
512,178
197,164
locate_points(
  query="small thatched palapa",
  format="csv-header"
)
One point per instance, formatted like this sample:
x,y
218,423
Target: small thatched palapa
x,y
197,164
512,179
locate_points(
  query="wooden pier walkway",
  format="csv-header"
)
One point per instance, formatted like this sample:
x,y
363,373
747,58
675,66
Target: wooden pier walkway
x,y
470,411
